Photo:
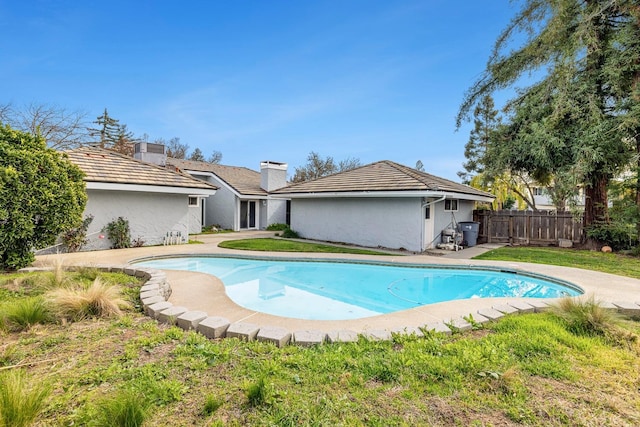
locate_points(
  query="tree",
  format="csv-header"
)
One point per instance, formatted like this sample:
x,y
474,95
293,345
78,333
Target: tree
x,y
174,148
216,157
566,122
124,143
486,121
60,128
42,194
197,155
318,167
107,131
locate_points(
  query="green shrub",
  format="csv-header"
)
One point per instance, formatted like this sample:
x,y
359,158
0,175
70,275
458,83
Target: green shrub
x,y
23,313
619,235
75,238
42,194
277,227
20,400
118,232
288,233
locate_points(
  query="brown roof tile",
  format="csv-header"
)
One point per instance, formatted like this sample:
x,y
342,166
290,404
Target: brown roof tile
x,y
106,166
243,180
381,176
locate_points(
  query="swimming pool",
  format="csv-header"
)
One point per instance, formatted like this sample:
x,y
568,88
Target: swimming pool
x,y
330,290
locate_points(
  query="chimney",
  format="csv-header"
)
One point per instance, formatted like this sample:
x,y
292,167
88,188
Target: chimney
x,y
150,152
273,175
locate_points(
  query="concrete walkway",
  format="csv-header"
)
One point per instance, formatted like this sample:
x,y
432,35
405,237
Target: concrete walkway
x,y
205,293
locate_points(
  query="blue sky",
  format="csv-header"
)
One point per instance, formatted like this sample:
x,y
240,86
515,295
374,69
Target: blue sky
x,y
261,80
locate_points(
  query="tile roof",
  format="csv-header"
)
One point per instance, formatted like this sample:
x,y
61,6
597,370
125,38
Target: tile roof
x,y
243,180
383,176
106,166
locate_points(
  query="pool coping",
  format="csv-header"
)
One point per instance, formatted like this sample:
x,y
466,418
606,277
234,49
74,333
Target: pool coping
x,y
177,297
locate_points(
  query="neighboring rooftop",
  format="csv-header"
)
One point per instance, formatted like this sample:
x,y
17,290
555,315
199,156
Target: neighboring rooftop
x,y
243,180
106,166
382,176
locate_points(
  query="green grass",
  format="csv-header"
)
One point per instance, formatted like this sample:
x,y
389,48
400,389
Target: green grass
x,y
554,368
282,245
21,399
589,260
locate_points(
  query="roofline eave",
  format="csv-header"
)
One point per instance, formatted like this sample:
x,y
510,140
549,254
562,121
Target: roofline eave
x,y
395,194
114,186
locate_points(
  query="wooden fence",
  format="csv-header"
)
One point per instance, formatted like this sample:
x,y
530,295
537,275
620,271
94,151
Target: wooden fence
x,y
527,227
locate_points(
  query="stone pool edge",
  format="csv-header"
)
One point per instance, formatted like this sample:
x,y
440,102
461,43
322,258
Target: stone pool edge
x,y
156,290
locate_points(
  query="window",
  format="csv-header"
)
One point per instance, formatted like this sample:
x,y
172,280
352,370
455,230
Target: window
x,y
427,212
450,205
194,201
538,191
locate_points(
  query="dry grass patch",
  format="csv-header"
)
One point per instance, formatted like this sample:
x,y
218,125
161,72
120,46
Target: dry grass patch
x,y
77,302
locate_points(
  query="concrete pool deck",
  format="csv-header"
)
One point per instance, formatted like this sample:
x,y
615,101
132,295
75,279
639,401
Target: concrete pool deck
x,y
202,293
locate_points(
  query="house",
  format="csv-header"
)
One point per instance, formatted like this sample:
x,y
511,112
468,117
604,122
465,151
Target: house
x,y
381,204
243,201
156,201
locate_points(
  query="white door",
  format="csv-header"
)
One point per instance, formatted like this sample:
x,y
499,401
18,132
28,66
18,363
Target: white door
x,y
428,242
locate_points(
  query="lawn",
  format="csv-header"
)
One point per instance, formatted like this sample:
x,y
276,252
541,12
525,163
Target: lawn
x,y
284,245
535,369
590,260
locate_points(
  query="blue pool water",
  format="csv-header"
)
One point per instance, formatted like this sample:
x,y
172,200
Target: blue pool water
x,y
339,290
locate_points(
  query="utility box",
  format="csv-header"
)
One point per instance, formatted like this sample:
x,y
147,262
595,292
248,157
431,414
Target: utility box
x,y
469,232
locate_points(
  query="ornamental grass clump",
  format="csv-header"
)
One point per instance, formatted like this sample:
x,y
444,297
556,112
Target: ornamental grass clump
x,y
588,317
20,400
124,409
22,314
77,302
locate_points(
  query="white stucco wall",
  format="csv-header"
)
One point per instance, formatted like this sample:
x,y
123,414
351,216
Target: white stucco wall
x,y
391,222
195,218
221,207
150,215
274,212
447,219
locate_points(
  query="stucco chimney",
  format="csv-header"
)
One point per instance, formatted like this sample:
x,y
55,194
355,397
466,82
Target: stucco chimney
x,y
150,152
273,175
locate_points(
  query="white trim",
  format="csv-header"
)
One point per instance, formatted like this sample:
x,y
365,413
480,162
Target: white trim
x,y
149,188
384,194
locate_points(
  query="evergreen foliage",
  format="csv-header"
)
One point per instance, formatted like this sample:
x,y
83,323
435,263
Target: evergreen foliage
x,y
108,130
580,119
42,194
486,120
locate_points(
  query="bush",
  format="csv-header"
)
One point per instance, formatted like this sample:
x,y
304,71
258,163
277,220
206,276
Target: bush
x,y
619,235
75,238
42,194
20,402
118,232
288,233
277,227
77,303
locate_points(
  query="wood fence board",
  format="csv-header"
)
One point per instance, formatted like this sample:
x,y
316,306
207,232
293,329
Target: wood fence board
x,y
527,227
